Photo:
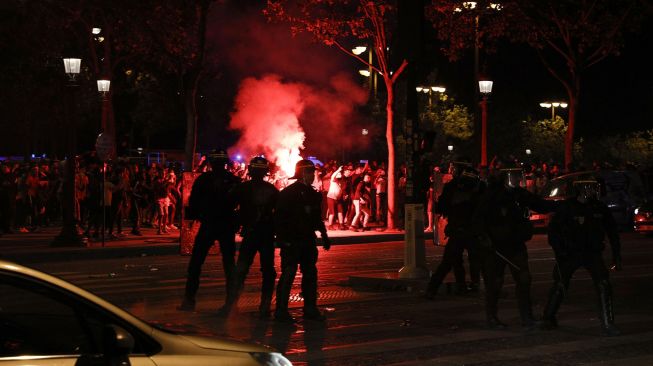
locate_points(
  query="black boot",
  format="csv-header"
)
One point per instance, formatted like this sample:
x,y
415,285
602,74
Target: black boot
x,y
556,295
431,291
606,312
187,304
460,289
284,286
493,321
473,287
528,321
309,292
264,307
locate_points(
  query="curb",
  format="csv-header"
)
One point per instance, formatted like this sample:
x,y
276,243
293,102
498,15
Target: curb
x,y
42,252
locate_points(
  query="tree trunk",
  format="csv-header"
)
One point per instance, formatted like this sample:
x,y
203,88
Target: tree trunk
x,y
108,120
389,136
573,94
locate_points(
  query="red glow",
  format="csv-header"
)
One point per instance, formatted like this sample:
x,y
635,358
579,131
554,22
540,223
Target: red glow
x,y
267,114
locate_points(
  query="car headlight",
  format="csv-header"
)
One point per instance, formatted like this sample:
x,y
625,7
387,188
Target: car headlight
x,y
271,359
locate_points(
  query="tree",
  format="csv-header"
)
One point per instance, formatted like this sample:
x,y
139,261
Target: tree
x,y
545,138
569,36
452,122
175,36
109,38
337,24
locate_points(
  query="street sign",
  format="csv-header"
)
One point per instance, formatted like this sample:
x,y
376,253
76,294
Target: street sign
x,y
105,146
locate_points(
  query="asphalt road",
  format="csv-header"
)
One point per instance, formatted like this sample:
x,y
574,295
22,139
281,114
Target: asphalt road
x,y
382,326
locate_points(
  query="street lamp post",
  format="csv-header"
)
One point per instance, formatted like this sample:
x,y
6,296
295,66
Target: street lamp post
x,y
485,87
553,106
369,73
70,234
429,90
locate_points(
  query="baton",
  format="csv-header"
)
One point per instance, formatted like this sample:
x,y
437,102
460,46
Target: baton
x,y
507,261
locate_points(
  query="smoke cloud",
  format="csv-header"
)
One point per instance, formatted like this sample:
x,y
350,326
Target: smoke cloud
x,y
294,93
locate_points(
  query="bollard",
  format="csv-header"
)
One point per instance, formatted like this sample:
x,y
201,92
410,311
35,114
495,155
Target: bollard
x,y
414,251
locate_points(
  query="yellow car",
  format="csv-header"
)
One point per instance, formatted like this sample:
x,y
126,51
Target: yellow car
x,y
47,321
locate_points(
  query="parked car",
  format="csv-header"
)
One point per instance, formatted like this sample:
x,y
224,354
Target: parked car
x,y
621,190
47,321
643,220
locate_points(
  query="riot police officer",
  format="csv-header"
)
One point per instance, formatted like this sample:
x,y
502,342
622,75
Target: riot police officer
x,y
457,203
256,200
210,203
502,220
576,234
297,217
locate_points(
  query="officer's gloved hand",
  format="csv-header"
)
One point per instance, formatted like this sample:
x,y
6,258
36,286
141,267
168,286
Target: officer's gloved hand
x,y
326,243
616,264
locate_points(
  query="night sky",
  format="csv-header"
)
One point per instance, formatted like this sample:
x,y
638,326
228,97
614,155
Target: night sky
x,y
616,94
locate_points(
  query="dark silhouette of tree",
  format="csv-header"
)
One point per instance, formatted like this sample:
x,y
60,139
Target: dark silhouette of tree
x,y
341,24
177,30
570,36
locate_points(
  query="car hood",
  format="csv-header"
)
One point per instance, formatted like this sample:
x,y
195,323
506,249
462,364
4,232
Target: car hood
x,y
224,344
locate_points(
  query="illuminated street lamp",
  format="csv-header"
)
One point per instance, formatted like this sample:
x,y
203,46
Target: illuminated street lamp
x,y
428,89
70,233
369,73
450,147
103,86
72,67
358,50
528,151
553,106
485,87
96,30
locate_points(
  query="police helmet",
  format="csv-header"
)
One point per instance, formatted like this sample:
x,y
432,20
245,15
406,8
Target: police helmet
x,y
458,167
302,166
587,190
258,167
469,177
513,177
217,158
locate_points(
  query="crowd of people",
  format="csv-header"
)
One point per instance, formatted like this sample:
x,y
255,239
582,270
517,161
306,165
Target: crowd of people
x,y
486,210
106,196
354,194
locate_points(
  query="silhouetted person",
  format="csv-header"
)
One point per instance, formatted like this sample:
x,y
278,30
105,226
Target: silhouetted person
x,y
503,219
297,217
210,204
256,200
457,203
576,233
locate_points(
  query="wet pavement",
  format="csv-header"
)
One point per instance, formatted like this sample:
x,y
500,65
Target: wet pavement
x,y
368,323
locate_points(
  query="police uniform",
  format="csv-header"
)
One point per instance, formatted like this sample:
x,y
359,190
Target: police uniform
x,y
457,203
576,234
502,218
297,217
256,200
210,203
